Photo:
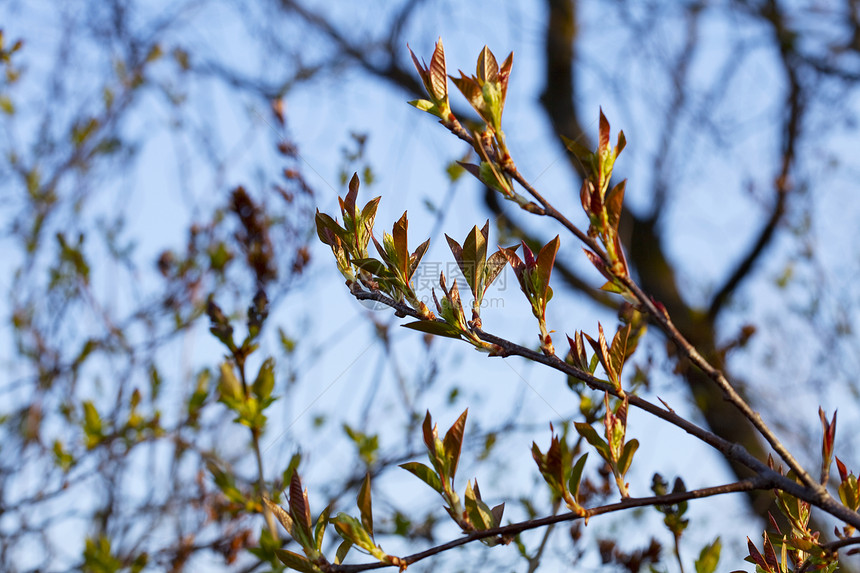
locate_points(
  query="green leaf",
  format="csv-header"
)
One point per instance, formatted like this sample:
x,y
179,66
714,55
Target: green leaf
x,y
295,561
576,476
479,512
351,529
265,382
590,434
342,550
453,442
229,387
320,527
626,457
373,266
424,473
364,505
434,327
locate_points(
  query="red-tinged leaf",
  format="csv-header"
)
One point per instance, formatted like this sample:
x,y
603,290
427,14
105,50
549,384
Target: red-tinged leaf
x,y
585,193
528,257
614,202
488,68
474,258
843,471
471,91
510,253
604,132
618,350
471,168
756,556
621,144
456,250
598,264
453,442
347,205
422,70
295,561
342,550
416,257
495,265
299,509
626,457
424,473
829,431
400,246
434,327
505,74
576,476
438,75
545,262
622,258
364,505
770,555
498,512
429,431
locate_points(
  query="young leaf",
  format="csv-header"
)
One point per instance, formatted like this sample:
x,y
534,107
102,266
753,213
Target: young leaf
x,y
709,557
479,512
576,476
280,514
351,529
591,436
295,561
320,527
626,457
265,381
423,473
342,550
488,67
364,505
545,261
453,442
434,327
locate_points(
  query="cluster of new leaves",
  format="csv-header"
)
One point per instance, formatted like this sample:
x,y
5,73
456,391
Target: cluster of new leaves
x,y
614,450
797,548
444,455
486,92
533,275
560,473
603,205
248,402
393,274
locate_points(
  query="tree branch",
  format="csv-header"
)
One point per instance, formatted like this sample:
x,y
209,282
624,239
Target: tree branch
x,y
508,532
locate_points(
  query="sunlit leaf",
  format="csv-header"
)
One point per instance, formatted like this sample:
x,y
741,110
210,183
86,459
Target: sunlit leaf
x,y
424,473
